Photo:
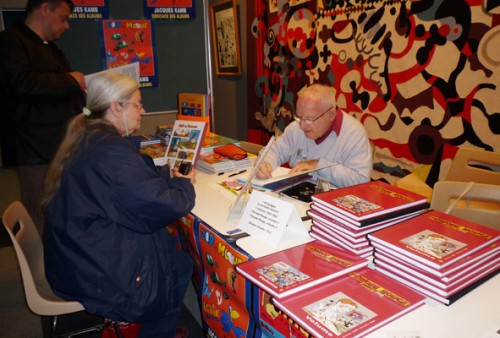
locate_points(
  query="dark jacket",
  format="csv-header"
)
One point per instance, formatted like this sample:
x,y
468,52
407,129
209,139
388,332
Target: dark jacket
x,y
37,97
106,243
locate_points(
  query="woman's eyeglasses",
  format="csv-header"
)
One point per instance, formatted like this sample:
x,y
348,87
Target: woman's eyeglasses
x,y
138,105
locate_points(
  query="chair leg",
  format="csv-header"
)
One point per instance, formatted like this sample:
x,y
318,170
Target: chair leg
x,y
48,326
117,329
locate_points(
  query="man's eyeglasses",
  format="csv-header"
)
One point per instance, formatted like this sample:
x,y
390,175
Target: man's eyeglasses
x,y
310,122
138,105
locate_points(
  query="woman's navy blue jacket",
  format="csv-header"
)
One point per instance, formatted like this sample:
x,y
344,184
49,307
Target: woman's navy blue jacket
x,y
106,243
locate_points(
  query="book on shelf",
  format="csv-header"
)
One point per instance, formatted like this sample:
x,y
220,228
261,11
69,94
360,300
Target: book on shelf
x,y
435,239
352,305
194,107
185,143
366,201
299,268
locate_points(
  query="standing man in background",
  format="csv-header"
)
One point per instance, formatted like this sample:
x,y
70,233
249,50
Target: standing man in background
x,y
39,93
322,135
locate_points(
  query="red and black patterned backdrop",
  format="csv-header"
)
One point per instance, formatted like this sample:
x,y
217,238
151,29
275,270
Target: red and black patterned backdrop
x,y
422,76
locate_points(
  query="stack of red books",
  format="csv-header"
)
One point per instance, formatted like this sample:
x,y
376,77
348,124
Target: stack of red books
x,y
344,217
441,256
352,305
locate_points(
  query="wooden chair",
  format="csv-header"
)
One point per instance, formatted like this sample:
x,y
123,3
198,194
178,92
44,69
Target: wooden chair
x,y
474,165
476,202
39,296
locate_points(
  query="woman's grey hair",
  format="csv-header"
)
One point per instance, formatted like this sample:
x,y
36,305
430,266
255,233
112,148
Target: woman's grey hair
x,y
107,87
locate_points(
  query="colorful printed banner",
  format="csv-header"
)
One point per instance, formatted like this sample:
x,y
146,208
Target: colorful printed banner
x,y
128,41
90,9
225,298
169,9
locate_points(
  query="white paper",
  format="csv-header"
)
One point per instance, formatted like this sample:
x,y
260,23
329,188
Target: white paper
x,y
271,220
131,69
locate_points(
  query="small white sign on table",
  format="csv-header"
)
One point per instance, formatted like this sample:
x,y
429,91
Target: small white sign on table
x,y
271,220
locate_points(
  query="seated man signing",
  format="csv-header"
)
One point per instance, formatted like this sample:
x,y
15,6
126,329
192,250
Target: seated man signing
x,y
322,134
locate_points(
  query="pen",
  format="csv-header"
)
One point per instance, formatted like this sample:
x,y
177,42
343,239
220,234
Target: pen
x,y
239,172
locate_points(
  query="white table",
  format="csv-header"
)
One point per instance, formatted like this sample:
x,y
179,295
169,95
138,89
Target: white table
x,y
475,315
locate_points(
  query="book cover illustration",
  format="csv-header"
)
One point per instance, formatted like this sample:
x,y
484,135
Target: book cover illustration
x,y
351,305
435,239
355,204
156,151
433,243
233,186
367,200
282,274
289,271
215,140
185,143
339,312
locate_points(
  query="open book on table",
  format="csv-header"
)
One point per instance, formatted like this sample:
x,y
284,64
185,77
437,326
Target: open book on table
x,y
282,178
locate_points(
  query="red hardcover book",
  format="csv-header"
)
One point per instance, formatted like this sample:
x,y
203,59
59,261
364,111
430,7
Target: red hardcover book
x,y
369,225
367,201
450,273
435,239
352,305
355,242
335,222
365,251
437,285
452,295
287,272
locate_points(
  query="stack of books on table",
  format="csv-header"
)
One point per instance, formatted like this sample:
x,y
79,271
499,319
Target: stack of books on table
x,y
439,255
214,163
328,290
213,140
344,217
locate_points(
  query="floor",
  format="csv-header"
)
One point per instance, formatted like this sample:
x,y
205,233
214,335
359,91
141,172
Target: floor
x,y
16,320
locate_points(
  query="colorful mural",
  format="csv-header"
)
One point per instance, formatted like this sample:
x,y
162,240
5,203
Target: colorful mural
x,y
422,76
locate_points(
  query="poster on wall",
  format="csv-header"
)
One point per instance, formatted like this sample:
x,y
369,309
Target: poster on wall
x,y
90,9
129,41
169,9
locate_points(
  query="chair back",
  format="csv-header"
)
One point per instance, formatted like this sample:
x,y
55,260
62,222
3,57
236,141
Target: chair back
x,y
480,204
474,165
29,250
250,147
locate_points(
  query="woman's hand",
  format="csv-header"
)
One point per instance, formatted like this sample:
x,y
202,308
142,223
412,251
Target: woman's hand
x,y
190,175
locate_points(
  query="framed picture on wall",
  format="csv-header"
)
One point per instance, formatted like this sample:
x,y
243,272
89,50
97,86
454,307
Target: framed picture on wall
x,y
225,38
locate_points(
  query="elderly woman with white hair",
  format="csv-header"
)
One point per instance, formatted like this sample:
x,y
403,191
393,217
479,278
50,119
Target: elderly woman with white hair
x,y
107,208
